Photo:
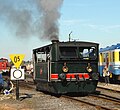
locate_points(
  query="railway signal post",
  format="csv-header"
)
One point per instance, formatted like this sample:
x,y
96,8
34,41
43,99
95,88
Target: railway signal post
x,y
17,73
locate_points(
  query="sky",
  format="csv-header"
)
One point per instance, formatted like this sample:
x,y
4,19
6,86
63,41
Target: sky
x,y
89,20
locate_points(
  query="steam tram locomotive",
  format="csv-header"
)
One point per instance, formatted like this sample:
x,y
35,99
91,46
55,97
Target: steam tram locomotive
x,y
110,56
66,67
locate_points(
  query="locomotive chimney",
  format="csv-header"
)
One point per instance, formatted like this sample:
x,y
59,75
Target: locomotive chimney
x,y
54,41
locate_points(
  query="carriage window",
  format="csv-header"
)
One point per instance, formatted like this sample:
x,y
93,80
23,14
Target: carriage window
x,y
3,60
101,56
110,57
119,56
87,53
41,57
104,56
113,56
70,52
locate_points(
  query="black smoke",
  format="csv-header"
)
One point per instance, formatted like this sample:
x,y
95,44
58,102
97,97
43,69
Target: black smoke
x,y
21,17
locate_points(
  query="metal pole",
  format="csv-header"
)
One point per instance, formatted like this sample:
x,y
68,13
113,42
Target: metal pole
x,y
17,89
70,36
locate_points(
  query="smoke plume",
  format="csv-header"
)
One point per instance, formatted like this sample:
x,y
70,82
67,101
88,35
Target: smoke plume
x,y
22,19
49,18
18,20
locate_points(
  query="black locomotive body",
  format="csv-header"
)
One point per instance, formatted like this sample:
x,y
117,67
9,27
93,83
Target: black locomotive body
x,y
65,67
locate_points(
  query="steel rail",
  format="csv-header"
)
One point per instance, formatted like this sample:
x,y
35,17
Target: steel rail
x,y
106,97
108,89
85,102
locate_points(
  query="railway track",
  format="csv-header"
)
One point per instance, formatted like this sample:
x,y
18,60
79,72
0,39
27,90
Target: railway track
x,y
106,97
90,103
99,97
117,91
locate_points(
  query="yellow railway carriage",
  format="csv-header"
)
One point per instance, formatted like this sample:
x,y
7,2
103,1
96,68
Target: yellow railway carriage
x,y
110,56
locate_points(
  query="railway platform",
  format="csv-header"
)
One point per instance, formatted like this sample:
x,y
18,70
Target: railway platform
x,y
115,87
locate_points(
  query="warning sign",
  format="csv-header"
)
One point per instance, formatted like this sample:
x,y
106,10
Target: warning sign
x,y
17,74
17,59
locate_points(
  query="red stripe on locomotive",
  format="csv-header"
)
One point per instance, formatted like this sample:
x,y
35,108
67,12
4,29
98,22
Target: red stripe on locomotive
x,y
73,75
54,76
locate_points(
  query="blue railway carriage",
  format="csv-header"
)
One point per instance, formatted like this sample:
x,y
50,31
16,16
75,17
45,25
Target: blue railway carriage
x,y
66,67
110,56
